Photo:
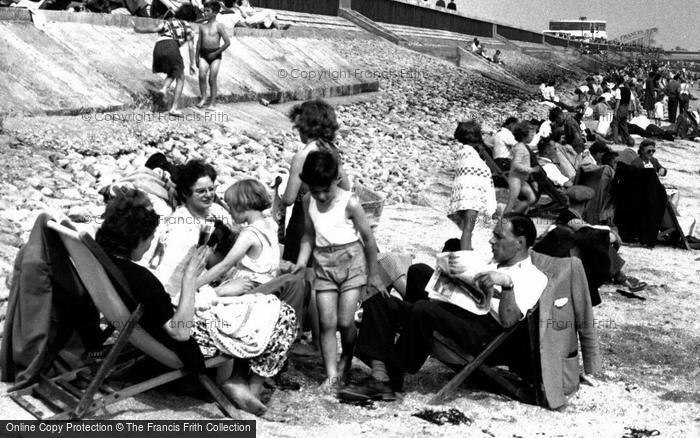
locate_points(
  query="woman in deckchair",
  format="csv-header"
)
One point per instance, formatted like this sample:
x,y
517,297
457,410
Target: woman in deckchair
x,y
259,328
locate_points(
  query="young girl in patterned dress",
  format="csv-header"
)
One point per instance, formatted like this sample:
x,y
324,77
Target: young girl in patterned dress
x,y
472,190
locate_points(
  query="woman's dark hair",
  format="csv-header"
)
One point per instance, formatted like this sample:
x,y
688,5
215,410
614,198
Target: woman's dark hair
x,y
521,130
542,145
509,121
599,147
129,219
315,119
187,174
320,169
555,113
468,132
556,135
522,226
158,161
186,12
213,5
609,157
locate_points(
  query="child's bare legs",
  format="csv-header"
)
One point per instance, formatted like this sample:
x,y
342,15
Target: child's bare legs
x,y
347,306
529,195
203,72
166,84
514,185
313,320
213,73
327,302
179,85
468,221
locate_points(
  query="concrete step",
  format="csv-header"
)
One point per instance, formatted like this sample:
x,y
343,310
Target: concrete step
x,y
371,26
419,33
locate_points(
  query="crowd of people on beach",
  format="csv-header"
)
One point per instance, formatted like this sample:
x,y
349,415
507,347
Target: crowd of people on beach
x,y
213,278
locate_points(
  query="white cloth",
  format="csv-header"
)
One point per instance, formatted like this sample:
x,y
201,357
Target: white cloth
x,y
503,141
179,233
641,121
243,327
528,284
552,171
545,129
333,227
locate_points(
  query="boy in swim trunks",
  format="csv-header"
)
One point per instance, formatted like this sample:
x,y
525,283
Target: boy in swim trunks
x,y
209,53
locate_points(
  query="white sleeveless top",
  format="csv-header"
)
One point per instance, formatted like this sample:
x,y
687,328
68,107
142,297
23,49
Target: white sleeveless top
x,y
333,227
264,267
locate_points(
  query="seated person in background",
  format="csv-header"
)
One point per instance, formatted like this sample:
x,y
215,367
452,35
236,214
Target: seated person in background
x,y
598,150
503,142
547,160
262,19
477,48
610,158
646,159
230,14
548,93
440,3
521,196
452,6
497,57
572,217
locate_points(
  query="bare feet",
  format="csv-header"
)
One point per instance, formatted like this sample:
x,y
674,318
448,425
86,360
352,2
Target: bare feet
x,y
175,112
240,394
202,102
330,385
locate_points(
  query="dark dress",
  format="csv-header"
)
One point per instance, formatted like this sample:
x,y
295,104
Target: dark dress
x,y
649,97
158,309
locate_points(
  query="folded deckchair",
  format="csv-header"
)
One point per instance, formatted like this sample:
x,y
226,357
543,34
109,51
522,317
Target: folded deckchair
x,y
76,393
451,354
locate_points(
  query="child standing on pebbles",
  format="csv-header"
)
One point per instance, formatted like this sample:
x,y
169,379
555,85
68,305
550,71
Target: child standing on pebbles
x,y
343,264
172,33
209,52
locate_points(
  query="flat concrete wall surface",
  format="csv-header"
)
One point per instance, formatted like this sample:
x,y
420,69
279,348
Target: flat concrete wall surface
x,y
74,66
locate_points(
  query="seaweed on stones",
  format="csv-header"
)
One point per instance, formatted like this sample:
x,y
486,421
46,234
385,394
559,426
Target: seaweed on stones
x,y
452,416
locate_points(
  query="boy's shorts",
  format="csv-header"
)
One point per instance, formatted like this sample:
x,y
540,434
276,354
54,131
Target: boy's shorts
x,y
340,267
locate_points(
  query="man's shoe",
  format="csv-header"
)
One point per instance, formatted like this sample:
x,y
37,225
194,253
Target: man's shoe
x,y
370,390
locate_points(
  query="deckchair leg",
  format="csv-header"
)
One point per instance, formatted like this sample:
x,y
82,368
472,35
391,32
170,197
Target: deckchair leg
x,y
467,370
108,363
219,397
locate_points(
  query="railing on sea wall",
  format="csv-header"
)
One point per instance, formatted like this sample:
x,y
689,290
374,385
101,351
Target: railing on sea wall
x,y
406,14
513,33
321,7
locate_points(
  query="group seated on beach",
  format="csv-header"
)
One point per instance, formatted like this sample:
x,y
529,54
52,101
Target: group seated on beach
x,y
192,258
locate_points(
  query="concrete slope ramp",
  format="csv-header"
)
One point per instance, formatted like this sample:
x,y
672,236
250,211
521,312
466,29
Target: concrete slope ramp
x,y
69,67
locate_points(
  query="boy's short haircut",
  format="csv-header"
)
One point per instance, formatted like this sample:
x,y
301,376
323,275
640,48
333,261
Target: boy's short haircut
x,y
247,194
521,130
320,169
213,5
509,121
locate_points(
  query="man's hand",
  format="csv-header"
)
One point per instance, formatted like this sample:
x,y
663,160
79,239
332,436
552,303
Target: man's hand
x,y
455,264
487,280
298,269
239,286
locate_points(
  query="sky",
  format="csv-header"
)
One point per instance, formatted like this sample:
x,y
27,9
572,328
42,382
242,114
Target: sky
x,y
678,21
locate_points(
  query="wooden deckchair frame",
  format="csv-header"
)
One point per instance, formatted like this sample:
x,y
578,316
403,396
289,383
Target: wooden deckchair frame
x,y
68,401
450,353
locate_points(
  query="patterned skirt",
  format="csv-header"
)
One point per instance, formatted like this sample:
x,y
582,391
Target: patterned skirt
x,y
270,362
